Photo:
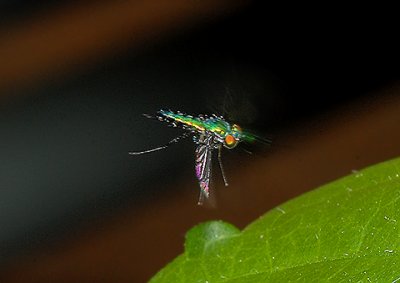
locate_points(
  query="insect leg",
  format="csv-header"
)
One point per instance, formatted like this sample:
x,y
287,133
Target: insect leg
x,y
220,165
201,198
246,150
175,140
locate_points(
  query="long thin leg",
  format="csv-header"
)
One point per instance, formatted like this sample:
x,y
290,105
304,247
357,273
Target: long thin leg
x,y
201,198
220,166
175,140
247,151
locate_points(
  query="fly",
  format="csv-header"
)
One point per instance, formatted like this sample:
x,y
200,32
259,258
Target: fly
x,y
209,133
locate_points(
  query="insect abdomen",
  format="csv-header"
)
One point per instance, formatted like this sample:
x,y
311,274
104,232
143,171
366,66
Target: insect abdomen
x,y
182,120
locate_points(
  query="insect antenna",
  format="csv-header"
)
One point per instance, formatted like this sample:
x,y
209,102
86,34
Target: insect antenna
x,y
175,140
221,167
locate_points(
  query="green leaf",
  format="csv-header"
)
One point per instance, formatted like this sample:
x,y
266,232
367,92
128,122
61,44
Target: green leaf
x,y
345,231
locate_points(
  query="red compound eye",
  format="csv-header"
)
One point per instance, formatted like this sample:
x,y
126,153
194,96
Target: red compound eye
x,y
230,141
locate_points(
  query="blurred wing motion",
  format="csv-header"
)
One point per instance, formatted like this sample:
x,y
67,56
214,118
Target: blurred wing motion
x,y
203,165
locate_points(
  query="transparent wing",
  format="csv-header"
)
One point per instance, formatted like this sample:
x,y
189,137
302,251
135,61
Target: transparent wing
x,y
203,166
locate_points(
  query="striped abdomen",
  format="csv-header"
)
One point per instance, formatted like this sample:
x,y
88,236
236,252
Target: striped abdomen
x,y
182,120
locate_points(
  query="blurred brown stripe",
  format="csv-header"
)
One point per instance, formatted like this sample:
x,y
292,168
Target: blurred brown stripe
x,y
67,37
133,245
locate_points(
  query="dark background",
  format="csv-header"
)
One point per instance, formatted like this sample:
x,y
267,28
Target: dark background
x,y
76,77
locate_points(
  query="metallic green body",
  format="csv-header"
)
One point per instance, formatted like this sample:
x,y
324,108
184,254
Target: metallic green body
x,y
202,124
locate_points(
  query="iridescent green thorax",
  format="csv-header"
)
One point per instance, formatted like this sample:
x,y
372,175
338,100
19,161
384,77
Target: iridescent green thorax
x,y
227,134
217,125
202,124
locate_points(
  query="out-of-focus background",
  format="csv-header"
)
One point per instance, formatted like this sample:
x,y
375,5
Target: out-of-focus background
x,y
75,77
